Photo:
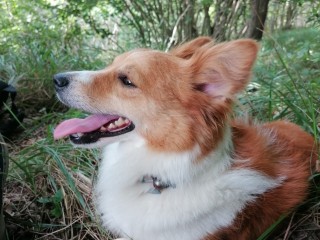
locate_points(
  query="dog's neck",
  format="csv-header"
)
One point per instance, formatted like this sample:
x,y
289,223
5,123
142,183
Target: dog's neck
x,y
157,184
172,169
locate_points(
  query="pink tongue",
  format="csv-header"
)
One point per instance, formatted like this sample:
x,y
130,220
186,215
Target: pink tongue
x,y
77,125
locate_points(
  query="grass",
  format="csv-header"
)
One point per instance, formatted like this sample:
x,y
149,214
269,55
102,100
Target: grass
x,y
288,75
49,189
57,180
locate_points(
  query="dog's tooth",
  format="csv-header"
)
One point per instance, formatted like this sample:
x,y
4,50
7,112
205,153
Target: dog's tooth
x,y
111,126
119,122
126,121
77,135
103,129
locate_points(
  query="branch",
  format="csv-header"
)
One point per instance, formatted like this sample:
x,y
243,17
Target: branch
x,y
176,27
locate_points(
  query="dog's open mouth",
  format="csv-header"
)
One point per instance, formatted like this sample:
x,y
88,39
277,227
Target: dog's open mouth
x,y
92,128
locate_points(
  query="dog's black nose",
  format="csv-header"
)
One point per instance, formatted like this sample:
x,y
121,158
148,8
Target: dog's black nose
x,y
61,80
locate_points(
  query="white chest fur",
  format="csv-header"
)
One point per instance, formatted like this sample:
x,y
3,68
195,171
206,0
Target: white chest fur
x,y
207,195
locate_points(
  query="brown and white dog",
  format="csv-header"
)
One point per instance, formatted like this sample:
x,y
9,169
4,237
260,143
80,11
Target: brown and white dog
x,y
175,165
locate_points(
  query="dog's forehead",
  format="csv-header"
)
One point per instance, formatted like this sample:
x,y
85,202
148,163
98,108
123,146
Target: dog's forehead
x,y
140,57
142,62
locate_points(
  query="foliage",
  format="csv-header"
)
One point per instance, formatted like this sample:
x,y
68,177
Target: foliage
x,y
289,79
38,40
59,178
56,200
42,37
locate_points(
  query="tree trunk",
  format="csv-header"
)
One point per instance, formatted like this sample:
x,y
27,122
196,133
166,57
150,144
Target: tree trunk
x,y
291,11
223,11
205,31
188,23
259,10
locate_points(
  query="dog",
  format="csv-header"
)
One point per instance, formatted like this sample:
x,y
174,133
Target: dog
x,y
175,164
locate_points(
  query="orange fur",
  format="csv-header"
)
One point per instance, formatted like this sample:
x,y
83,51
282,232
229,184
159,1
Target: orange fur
x,y
182,71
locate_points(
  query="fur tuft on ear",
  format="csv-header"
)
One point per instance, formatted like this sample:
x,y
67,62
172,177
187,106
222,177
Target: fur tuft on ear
x,y
223,69
186,50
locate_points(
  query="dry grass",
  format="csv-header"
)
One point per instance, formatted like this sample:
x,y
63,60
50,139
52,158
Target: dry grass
x,y
48,194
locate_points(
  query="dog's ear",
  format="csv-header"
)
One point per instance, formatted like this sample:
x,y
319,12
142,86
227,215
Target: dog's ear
x,y
186,50
224,69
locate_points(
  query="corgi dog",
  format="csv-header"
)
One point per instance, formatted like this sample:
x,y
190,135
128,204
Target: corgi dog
x,y
175,164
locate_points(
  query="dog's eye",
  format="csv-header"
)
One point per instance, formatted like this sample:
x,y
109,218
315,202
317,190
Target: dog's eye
x,y
125,81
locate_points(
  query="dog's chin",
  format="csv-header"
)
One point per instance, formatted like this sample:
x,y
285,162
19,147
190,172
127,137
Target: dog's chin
x,y
97,139
102,141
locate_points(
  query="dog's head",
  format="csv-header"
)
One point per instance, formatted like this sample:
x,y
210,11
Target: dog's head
x,y
172,101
